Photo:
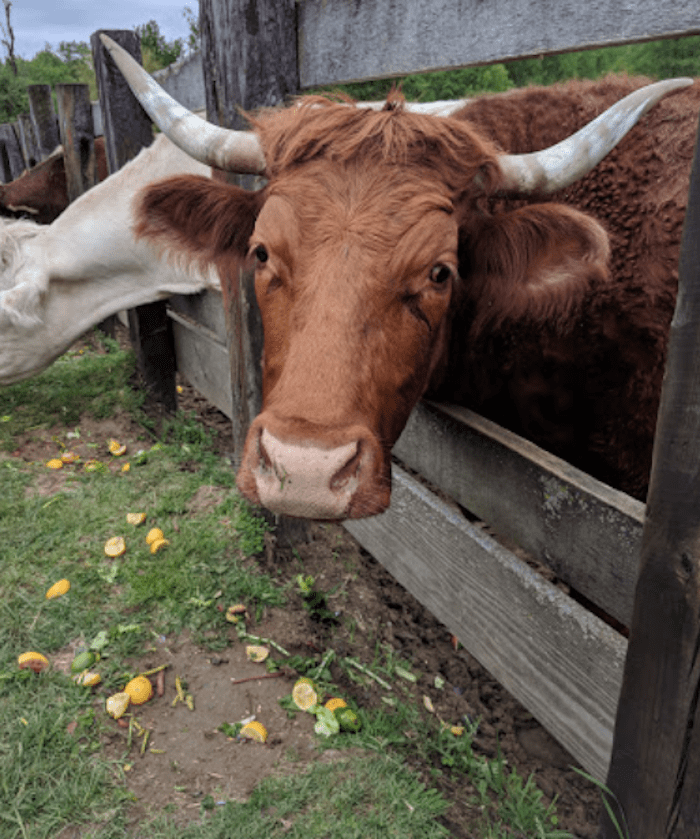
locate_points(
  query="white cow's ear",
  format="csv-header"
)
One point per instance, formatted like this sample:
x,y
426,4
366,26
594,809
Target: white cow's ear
x,y
536,263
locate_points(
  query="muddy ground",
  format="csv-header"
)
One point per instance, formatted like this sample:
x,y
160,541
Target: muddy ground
x,y
187,758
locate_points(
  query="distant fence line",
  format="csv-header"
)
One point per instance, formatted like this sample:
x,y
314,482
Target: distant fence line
x,y
33,136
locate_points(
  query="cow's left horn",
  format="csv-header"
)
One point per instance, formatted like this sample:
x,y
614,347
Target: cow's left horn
x,y
223,148
561,165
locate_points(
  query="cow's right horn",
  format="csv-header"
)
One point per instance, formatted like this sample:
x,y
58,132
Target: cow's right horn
x,y
563,164
223,148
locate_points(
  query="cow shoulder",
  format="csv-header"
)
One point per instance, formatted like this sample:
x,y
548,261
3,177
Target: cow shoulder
x,y
538,263
198,216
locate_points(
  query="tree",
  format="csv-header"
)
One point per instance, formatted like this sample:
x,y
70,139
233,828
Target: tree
x,y
155,50
9,39
194,38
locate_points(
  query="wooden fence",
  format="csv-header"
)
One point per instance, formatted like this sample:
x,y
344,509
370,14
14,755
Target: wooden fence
x,y
563,663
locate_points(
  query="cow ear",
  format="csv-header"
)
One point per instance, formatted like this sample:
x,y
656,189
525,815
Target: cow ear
x,y
536,263
197,216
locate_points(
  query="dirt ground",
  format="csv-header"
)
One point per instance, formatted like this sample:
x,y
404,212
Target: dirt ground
x,y
187,758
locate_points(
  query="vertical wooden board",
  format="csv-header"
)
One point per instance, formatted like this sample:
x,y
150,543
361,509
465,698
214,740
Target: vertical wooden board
x,y
10,153
204,362
249,60
655,767
588,533
43,118
127,128
561,662
27,140
76,129
205,308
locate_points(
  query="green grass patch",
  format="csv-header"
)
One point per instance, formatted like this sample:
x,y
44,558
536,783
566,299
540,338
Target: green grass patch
x,y
78,383
354,798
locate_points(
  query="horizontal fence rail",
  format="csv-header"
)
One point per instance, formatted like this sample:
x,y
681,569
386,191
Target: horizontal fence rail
x,y
342,42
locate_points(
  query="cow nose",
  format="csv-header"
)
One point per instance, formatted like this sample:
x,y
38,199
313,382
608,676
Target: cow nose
x,y
308,480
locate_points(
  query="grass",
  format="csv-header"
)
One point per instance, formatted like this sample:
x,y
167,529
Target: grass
x,y
53,771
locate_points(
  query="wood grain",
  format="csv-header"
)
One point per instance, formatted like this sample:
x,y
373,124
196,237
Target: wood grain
x,y
341,41
587,532
561,662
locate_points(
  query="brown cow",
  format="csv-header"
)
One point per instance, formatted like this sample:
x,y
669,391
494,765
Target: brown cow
x,y
40,192
391,262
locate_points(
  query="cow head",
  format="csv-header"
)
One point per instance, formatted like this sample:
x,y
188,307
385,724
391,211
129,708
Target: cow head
x,y
369,228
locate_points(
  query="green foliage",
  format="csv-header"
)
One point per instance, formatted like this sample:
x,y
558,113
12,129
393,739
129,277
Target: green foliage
x,y
155,50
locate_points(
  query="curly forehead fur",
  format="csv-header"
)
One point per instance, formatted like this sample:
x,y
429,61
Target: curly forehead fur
x,y
339,130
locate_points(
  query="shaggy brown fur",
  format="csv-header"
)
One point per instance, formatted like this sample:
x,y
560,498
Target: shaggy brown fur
x,y
552,334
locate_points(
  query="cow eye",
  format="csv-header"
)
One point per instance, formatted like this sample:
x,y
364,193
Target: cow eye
x,y
440,274
261,254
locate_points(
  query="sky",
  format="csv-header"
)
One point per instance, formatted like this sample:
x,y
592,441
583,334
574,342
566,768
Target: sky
x,y
38,22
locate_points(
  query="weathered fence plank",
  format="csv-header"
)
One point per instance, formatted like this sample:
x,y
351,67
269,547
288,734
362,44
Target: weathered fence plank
x,y
655,769
202,359
588,533
43,117
249,60
11,158
341,41
561,662
27,141
77,133
127,129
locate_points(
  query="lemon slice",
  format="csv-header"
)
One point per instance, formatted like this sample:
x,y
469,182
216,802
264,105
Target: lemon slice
x,y
55,463
139,689
254,731
304,694
153,535
335,703
33,661
256,653
157,544
135,518
115,546
88,678
58,589
117,704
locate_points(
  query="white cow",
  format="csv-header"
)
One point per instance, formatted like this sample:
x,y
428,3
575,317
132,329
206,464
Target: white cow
x,y
57,281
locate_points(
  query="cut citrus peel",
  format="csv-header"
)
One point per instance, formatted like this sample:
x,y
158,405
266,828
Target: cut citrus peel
x,y
117,704
256,653
135,518
58,589
115,546
254,731
157,544
140,690
116,448
32,661
304,694
54,463
153,535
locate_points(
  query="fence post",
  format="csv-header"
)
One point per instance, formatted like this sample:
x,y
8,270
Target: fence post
x,y
43,117
249,58
247,63
27,140
77,135
127,129
10,153
655,766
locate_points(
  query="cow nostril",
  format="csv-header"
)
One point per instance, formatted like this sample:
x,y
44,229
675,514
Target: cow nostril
x,y
348,471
